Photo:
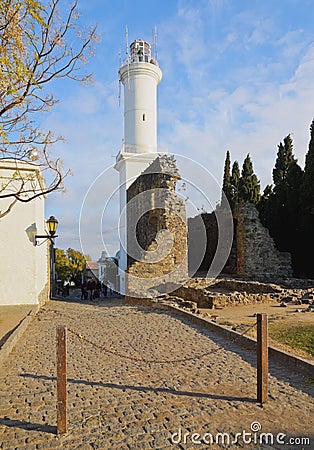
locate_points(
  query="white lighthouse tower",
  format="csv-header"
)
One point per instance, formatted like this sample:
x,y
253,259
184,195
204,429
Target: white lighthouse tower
x,y
140,76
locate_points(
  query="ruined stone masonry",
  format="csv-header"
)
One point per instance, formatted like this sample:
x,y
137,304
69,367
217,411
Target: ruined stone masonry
x,y
257,255
157,231
253,254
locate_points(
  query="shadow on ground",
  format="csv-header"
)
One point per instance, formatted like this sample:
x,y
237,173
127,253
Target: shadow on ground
x,y
24,425
124,387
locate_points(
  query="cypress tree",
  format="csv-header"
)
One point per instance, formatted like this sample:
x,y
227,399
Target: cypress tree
x,y
287,178
307,208
307,196
279,169
226,186
235,179
280,208
249,187
292,228
284,160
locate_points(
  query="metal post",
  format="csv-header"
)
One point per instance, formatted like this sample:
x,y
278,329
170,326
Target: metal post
x,y
61,380
262,358
52,270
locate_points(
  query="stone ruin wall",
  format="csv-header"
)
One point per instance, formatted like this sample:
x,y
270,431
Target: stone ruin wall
x,y
253,254
203,240
257,255
155,210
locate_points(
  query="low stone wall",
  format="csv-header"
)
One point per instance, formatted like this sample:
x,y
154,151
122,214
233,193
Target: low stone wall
x,y
211,300
220,293
198,296
249,287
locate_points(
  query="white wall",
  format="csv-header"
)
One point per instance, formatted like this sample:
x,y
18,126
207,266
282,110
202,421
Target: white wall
x,y
23,266
140,82
130,166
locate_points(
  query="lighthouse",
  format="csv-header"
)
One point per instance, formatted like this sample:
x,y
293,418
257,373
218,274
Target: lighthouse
x,y
140,76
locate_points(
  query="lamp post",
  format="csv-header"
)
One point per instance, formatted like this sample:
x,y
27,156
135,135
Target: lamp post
x,y
52,225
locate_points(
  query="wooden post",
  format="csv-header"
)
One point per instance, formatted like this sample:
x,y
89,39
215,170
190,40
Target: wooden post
x,y
262,358
61,380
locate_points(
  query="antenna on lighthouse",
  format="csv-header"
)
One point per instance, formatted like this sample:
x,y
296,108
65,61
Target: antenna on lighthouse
x,y
119,95
127,42
127,51
120,64
154,42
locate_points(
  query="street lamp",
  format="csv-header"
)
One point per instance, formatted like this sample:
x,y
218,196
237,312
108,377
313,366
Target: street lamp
x,y
52,225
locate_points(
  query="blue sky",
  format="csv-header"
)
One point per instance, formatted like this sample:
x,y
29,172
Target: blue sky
x,y
237,76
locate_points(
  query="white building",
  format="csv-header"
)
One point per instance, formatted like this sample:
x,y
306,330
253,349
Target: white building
x,y
24,267
140,76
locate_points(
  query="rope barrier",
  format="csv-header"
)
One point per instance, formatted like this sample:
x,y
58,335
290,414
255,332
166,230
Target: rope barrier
x,y
155,361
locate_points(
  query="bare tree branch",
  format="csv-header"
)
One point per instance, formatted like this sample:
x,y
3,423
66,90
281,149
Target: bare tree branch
x,y
35,49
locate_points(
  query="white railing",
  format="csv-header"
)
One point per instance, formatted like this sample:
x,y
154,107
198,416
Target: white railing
x,y
139,149
138,58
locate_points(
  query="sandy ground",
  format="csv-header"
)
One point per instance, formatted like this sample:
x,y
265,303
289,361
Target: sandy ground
x,y
245,314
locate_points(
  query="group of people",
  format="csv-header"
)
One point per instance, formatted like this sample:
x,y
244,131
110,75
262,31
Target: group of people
x,y
94,289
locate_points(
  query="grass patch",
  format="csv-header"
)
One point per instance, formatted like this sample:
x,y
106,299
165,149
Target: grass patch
x,y
299,336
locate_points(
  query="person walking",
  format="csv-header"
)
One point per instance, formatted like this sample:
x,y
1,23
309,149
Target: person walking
x,y
84,293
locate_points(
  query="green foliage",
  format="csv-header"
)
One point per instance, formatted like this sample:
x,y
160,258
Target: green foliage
x,y
265,205
287,207
295,336
249,186
77,263
62,265
70,264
